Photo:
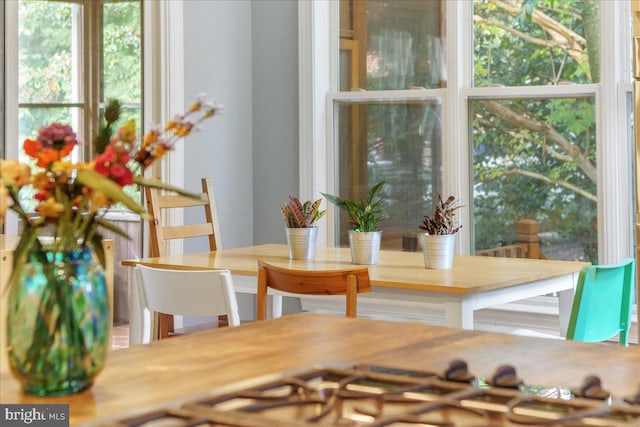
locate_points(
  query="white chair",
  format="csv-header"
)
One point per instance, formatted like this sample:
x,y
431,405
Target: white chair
x,y
179,292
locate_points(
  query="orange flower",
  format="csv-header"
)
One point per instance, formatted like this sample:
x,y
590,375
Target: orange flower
x,y
98,200
45,156
41,181
50,208
14,173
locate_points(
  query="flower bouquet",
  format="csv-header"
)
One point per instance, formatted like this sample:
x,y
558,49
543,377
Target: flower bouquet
x,y
58,313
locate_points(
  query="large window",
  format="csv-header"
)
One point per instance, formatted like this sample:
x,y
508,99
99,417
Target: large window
x,y
394,50
511,106
74,56
536,157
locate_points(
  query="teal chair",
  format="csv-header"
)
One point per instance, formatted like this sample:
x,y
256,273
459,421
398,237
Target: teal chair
x,y
602,303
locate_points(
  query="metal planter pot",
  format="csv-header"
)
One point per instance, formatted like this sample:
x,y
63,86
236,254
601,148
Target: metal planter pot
x,y
302,242
365,247
437,250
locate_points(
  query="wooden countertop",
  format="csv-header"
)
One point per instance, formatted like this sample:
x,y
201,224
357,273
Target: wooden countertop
x,y
145,376
395,269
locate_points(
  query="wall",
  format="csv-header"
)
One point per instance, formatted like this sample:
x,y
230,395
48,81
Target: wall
x,y
244,53
218,61
275,114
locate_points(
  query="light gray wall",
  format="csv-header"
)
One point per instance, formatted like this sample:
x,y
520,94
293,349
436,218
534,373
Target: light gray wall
x,y
244,53
275,114
218,61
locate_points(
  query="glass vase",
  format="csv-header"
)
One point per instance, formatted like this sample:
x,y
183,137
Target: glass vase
x,y
58,322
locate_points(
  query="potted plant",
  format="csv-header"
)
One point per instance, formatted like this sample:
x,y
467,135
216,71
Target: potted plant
x,y
440,231
300,219
364,237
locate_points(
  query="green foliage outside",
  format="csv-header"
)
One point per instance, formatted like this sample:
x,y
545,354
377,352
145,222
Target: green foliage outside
x,y
46,74
536,158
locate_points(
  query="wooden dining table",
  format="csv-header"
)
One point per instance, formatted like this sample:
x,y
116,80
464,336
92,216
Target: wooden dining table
x,y
168,372
473,283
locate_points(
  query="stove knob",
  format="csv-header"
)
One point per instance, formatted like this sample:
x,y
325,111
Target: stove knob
x,y
458,372
505,377
633,399
591,388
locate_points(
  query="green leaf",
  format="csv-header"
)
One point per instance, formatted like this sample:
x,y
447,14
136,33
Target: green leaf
x,y
28,242
98,249
155,183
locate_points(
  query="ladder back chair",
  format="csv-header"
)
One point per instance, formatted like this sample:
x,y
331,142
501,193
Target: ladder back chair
x,y
160,233
159,204
349,282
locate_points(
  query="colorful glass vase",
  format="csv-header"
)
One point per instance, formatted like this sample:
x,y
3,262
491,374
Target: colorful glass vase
x,y
58,322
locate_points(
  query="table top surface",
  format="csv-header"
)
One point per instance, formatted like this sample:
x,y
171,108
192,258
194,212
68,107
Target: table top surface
x,y
142,377
395,269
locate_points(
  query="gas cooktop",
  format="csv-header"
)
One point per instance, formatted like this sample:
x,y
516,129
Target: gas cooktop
x,y
377,396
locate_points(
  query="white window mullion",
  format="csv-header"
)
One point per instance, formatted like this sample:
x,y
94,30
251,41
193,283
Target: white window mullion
x,y
317,50
164,86
455,138
613,180
11,97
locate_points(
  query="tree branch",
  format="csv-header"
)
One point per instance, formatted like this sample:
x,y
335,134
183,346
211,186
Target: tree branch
x,y
546,130
571,41
534,40
559,182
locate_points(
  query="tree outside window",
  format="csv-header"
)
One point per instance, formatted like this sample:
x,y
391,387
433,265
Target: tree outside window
x,y
73,57
536,157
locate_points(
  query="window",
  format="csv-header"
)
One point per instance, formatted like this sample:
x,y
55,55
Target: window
x,y
536,157
515,110
393,51
73,56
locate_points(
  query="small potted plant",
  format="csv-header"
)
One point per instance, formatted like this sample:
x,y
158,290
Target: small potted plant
x,y
300,219
440,231
364,237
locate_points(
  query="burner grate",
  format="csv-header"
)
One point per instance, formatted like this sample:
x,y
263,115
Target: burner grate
x,y
377,396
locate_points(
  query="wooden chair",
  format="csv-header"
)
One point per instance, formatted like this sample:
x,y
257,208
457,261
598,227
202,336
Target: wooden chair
x,y
189,293
349,282
159,204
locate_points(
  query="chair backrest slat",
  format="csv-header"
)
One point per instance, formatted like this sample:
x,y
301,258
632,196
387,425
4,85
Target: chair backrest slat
x,y
158,203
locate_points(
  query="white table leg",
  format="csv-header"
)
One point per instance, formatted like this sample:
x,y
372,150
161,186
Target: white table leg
x,y
276,306
565,302
140,320
457,314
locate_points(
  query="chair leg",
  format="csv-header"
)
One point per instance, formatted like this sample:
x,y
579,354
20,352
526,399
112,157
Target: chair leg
x,y
166,327
223,320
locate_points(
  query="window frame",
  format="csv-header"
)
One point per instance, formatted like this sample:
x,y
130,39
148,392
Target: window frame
x,y
162,87
318,53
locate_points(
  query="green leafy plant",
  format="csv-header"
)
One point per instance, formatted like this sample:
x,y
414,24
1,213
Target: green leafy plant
x,y
443,220
365,214
301,215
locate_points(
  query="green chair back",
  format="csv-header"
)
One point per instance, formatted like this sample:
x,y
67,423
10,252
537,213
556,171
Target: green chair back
x,y
602,303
